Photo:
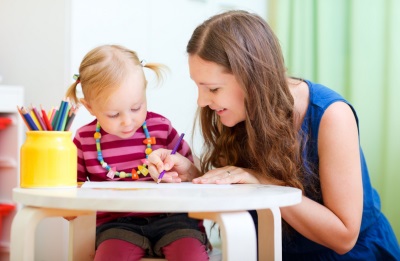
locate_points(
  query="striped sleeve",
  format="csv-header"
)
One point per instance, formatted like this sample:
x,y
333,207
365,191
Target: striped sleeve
x,y
81,161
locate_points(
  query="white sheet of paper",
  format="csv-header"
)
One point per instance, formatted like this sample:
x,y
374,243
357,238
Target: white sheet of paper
x,y
149,184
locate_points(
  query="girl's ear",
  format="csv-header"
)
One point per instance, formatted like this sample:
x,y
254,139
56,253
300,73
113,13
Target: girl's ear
x,y
87,106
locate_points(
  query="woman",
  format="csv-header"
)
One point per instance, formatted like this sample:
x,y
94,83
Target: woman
x,y
261,126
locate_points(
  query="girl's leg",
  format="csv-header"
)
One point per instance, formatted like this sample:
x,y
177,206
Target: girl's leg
x,y
116,249
185,249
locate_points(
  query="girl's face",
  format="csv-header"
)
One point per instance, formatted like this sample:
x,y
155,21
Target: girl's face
x,y
126,108
218,90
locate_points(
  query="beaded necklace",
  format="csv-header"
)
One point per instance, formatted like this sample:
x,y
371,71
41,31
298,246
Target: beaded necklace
x,y
112,171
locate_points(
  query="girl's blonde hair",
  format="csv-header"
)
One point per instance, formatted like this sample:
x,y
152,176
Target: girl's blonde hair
x,y
102,70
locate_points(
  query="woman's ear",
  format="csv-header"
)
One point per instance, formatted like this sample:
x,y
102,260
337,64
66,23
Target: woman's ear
x,y
87,106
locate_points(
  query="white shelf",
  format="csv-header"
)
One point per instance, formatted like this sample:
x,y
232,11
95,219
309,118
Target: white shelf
x,y
7,162
9,96
10,143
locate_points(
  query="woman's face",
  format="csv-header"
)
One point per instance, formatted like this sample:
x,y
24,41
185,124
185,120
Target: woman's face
x,y
218,90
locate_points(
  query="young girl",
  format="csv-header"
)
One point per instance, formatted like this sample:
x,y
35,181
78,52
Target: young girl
x,y
114,147
261,126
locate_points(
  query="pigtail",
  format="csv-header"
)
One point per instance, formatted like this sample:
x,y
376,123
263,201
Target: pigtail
x,y
157,68
71,92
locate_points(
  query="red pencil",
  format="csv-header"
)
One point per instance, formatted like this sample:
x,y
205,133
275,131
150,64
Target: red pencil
x,y
46,119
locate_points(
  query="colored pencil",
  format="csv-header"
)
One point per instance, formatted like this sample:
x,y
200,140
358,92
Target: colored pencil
x,y
62,114
51,113
54,120
35,120
29,119
46,119
39,118
23,118
71,117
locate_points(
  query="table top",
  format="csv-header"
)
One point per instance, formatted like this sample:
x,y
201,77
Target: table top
x,y
164,197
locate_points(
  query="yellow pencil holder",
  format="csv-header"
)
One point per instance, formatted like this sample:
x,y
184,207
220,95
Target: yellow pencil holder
x,y
48,159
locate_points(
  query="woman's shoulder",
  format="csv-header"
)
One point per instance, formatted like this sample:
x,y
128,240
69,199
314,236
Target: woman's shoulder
x,y
321,96
320,91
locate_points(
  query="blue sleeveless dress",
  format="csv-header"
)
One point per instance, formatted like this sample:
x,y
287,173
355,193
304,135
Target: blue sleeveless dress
x,y
377,240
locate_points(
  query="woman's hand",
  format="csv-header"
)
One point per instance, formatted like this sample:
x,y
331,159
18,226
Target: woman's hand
x,y
228,175
178,168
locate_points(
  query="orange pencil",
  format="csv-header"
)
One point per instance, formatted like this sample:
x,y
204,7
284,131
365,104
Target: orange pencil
x,y
53,117
23,118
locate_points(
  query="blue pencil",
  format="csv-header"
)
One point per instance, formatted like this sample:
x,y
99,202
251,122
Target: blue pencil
x,y
62,114
29,119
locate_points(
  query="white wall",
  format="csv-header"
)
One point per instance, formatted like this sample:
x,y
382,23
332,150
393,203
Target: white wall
x,y
158,30
43,42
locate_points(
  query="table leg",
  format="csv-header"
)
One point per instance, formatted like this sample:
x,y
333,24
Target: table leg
x,y
24,226
269,234
82,238
238,234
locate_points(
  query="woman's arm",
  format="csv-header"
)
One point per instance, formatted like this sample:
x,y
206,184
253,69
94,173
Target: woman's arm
x,y
336,223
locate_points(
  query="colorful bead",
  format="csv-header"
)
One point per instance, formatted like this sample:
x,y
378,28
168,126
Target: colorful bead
x,y
145,161
143,170
97,135
151,140
134,174
112,172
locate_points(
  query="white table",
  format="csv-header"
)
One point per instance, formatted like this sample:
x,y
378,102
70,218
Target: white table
x,y
225,204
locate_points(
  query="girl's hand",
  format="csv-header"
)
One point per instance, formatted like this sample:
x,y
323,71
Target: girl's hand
x,y
178,168
228,175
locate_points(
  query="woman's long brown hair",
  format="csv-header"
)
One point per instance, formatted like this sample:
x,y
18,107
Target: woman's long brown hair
x,y
267,141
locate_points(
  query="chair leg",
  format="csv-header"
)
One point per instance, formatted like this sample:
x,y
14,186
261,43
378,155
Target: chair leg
x,y
82,236
237,229
269,234
23,229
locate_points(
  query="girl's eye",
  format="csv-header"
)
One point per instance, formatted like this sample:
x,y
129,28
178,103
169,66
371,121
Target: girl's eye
x,y
113,116
135,109
214,90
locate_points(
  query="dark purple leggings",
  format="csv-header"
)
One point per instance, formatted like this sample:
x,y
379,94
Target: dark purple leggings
x,y
179,250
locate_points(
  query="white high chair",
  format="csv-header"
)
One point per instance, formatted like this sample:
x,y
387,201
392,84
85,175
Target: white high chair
x,y
89,221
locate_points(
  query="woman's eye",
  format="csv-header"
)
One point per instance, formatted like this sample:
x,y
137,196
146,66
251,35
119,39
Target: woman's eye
x,y
214,90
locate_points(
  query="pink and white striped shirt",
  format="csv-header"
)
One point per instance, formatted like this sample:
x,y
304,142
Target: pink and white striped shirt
x,y
123,154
